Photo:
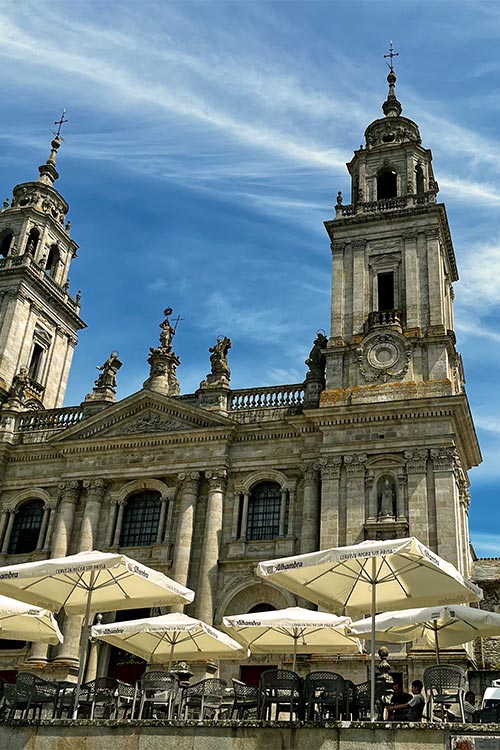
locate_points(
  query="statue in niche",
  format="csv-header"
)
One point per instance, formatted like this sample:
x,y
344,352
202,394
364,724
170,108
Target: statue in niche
x,y
218,358
386,498
167,331
107,378
316,360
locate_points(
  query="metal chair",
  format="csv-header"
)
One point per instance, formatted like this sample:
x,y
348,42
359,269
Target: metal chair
x,y
324,695
158,692
246,700
361,708
283,689
203,698
108,693
32,693
444,684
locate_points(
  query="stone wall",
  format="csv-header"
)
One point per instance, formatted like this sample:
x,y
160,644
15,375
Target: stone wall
x,y
86,735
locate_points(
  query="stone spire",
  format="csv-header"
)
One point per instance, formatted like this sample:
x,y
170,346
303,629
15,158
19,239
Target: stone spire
x,y
164,362
391,106
48,171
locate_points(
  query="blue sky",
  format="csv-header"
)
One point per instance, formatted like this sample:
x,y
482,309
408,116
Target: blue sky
x,y
205,146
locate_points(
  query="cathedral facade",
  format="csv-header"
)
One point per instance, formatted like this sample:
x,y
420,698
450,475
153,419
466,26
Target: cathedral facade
x,y
375,443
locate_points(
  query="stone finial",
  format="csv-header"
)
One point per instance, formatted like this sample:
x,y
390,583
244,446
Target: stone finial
x,y
48,171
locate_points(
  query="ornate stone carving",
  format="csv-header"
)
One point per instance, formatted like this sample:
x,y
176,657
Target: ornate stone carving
x,y
105,385
386,497
316,361
95,487
217,479
444,459
151,422
355,464
220,373
384,355
189,480
330,467
310,474
416,460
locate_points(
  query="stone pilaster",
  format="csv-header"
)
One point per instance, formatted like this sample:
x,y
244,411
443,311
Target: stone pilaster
x,y
310,510
43,526
207,580
446,494
161,521
8,532
95,493
47,545
185,525
330,497
354,501
418,510
120,505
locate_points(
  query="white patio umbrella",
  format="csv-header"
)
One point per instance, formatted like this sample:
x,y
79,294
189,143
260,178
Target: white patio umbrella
x,y
160,639
371,576
90,582
445,626
24,622
301,630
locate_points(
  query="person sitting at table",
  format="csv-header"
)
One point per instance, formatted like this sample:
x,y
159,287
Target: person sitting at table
x,y
469,709
413,709
399,697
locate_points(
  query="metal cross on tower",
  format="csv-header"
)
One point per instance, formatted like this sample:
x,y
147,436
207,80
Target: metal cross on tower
x,y
59,124
391,54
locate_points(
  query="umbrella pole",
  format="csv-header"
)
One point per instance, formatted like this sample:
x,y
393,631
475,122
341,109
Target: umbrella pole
x,y
372,650
294,653
172,645
83,646
436,640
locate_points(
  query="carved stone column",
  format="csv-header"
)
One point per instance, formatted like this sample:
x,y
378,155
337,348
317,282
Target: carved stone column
x,y
207,579
330,499
447,505
309,537
10,524
120,504
281,523
244,516
70,492
185,525
43,526
3,523
47,545
161,522
90,523
354,501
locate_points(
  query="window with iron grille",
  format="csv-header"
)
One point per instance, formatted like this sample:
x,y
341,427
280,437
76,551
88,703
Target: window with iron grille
x,y
264,506
140,519
26,528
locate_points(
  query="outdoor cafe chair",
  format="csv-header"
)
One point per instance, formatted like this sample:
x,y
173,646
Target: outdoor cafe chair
x,y
361,705
281,688
444,684
246,699
203,699
158,691
324,695
108,693
32,693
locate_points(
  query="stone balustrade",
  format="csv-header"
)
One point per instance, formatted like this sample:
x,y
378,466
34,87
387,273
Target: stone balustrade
x,y
49,419
386,204
384,318
267,397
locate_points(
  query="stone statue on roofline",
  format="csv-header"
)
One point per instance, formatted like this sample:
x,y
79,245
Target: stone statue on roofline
x,y
107,378
316,361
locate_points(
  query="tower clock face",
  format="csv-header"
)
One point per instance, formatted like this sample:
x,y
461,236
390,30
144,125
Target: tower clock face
x,y
384,356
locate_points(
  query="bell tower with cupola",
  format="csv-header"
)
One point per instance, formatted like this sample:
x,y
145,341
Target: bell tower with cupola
x,y
394,385
39,318
393,270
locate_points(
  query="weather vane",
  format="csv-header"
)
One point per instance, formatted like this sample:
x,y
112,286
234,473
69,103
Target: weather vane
x,y
59,124
391,54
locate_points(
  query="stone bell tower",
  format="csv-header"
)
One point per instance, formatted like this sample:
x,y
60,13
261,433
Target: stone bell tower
x,y
39,319
393,372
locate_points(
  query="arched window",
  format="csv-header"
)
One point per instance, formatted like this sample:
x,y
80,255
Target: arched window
x,y
419,179
264,508
52,260
5,243
32,241
26,528
140,519
387,185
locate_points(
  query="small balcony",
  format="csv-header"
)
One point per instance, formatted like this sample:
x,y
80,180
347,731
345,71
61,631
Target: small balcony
x,y
392,319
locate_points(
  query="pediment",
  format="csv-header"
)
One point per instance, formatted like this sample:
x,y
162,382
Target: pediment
x,y
144,413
